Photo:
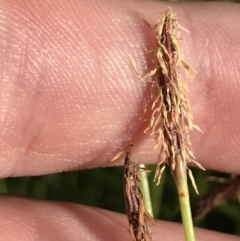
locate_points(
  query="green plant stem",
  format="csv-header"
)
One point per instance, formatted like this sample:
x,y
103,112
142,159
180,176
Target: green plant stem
x,y
145,190
180,177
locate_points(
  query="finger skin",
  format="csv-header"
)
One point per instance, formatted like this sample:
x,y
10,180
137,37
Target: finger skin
x,y
70,98
32,220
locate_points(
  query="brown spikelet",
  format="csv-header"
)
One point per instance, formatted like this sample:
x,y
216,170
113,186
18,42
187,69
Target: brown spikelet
x,y
171,116
136,211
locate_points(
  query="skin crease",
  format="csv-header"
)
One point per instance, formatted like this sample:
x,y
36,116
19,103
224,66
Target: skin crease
x,y
70,100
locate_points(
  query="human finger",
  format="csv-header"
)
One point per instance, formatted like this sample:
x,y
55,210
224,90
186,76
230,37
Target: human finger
x,y
32,220
71,99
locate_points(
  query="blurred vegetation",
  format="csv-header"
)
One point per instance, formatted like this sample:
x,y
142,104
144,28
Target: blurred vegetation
x,y
103,188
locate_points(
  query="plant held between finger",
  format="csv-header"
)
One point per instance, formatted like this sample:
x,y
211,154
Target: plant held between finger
x,y
171,117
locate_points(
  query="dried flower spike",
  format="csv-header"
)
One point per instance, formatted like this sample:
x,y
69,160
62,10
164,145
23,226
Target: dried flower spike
x,y
171,116
136,211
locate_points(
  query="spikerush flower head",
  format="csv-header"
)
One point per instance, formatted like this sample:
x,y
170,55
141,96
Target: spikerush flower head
x,y
171,115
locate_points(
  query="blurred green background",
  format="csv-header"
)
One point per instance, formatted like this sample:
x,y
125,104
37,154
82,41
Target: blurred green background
x,y
103,188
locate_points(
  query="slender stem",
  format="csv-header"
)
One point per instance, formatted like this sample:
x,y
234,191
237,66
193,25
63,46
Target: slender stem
x,y
145,190
180,177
